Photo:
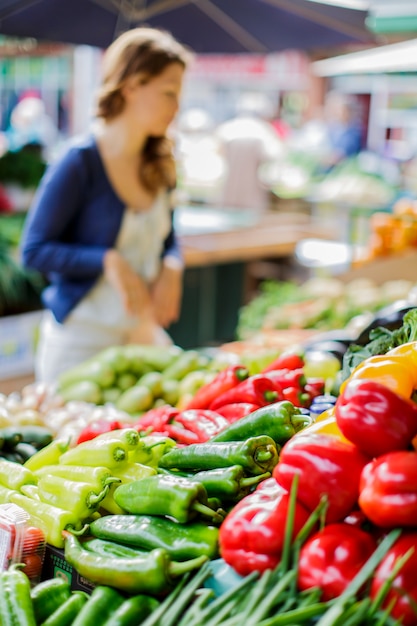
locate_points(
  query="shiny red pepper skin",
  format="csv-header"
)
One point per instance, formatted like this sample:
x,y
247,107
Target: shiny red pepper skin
x,y
375,418
297,397
403,589
97,428
388,489
227,379
251,537
256,389
325,465
202,422
287,378
162,421
236,410
332,557
285,361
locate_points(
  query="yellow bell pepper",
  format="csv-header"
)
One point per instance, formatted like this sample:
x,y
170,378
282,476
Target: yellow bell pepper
x,y
325,426
392,370
408,351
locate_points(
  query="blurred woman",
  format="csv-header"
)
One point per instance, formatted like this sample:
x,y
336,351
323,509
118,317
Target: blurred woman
x,y
101,225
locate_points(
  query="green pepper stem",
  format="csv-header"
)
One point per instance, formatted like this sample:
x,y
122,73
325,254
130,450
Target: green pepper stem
x,y
111,479
76,532
300,421
96,498
199,507
263,454
178,569
270,396
250,481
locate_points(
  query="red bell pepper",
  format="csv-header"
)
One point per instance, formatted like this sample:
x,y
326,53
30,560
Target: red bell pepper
x,y
375,418
237,410
227,379
251,538
92,430
388,489
332,557
256,389
202,422
325,465
288,361
403,589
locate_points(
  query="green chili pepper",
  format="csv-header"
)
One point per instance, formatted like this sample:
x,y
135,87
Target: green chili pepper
x,y
104,452
98,476
132,611
186,362
16,607
104,600
127,436
228,483
49,455
50,519
176,496
181,541
111,548
47,596
150,449
68,611
280,421
81,498
127,473
151,574
256,455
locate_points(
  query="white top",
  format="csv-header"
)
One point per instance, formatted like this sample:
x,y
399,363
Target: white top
x,y
140,241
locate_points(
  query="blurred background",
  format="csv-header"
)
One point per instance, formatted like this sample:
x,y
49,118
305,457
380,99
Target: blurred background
x,y
296,145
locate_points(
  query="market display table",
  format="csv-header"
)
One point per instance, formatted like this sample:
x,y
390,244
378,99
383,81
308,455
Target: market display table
x,y
218,246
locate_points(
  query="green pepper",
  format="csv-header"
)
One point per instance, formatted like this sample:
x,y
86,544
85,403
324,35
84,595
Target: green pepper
x,y
132,611
151,574
13,475
81,498
256,455
65,614
47,596
50,519
98,476
181,541
110,548
150,449
104,600
127,436
280,421
175,496
49,455
228,483
16,608
127,473
186,362
105,452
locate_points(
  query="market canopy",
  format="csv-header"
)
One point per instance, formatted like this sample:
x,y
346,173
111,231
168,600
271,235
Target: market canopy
x,y
207,26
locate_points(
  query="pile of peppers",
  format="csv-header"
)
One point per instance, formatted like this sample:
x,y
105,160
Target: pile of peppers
x,y
231,395
363,475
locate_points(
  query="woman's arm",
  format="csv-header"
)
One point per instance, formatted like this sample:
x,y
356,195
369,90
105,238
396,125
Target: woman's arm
x,y
61,197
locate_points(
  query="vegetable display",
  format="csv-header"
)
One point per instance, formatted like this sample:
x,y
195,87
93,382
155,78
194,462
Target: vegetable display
x,y
313,512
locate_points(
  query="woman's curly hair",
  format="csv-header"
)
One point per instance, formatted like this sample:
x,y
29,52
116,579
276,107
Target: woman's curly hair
x,y
145,51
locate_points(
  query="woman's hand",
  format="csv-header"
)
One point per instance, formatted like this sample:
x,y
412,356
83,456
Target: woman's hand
x,y
166,293
133,291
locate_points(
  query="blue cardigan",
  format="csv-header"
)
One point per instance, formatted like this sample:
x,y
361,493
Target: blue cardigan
x,y
74,219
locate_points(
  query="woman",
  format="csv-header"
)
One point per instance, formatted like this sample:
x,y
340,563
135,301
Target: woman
x,y
100,227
